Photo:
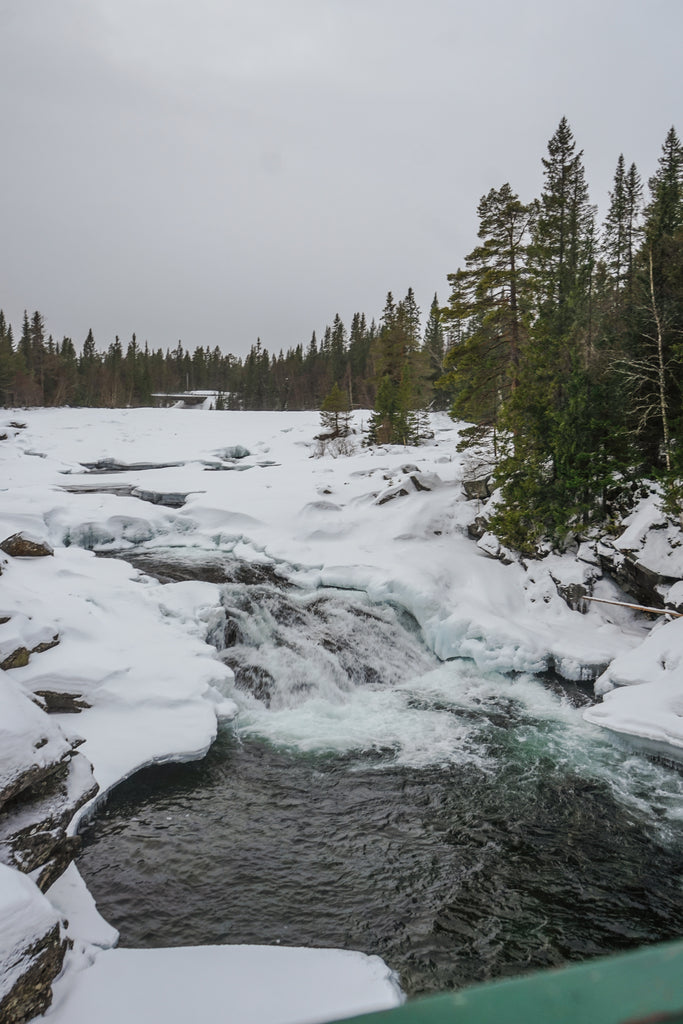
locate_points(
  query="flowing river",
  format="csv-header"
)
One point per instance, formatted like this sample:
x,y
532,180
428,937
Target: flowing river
x,y
462,826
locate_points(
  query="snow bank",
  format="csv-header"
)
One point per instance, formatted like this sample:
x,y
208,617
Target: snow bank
x,y
643,692
249,984
653,539
152,683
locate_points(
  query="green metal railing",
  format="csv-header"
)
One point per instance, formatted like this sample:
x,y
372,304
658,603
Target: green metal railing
x,y
643,987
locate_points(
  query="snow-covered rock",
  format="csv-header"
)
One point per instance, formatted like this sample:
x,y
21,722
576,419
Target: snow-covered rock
x,y
32,947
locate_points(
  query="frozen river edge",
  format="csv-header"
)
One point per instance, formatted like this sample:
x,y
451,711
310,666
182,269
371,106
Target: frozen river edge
x,y
134,651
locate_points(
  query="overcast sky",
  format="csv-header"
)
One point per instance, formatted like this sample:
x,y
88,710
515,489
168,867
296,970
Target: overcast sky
x,y
216,171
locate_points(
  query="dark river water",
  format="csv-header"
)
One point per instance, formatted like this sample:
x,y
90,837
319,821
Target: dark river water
x,y
367,797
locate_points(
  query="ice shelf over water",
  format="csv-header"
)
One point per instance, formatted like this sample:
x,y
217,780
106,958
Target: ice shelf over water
x,y
389,521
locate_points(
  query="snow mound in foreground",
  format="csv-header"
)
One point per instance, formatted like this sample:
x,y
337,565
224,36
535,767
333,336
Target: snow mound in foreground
x,y
253,985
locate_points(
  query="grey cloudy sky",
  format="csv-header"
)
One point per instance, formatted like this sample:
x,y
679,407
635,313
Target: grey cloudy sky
x,y
216,171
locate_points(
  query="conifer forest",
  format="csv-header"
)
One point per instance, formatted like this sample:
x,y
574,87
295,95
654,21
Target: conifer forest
x,y
560,342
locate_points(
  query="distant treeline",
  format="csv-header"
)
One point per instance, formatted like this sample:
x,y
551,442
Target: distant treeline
x,y
562,341
36,370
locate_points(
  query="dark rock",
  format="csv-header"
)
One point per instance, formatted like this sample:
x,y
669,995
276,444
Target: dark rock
x,y
641,583
29,777
62,703
32,993
477,488
37,846
395,492
33,824
573,594
3,437
20,657
17,659
420,483
65,853
478,528
46,645
20,546
16,425
4,618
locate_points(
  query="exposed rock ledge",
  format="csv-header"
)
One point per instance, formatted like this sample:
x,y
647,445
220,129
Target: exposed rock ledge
x,y
43,782
32,948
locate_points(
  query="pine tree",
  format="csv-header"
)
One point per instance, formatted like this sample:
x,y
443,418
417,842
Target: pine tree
x,y
7,365
558,466
654,367
337,350
401,376
485,311
616,231
335,415
561,246
621,230
664,214
434,349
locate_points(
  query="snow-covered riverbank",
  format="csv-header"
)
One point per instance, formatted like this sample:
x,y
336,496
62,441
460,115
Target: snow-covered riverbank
x,y
132,653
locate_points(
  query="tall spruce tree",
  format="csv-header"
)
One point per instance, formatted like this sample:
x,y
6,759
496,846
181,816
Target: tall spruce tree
x,y
654,371
434,349
401,391
558,467
7,365
486,303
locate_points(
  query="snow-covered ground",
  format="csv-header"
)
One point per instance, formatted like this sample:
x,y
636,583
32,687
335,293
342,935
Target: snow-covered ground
x,y
389,521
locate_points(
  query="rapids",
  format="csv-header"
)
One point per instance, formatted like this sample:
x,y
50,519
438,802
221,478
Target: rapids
x,y
461,825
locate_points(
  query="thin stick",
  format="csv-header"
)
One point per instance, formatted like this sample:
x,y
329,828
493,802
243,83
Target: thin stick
x,y
637,607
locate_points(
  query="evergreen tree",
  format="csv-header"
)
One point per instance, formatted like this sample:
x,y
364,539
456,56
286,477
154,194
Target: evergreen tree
x,y
560,254
433,343
621,230
654,367
7,363
664,214
335,415
616,231
486,304
400,374
24,348
337,349
558,467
